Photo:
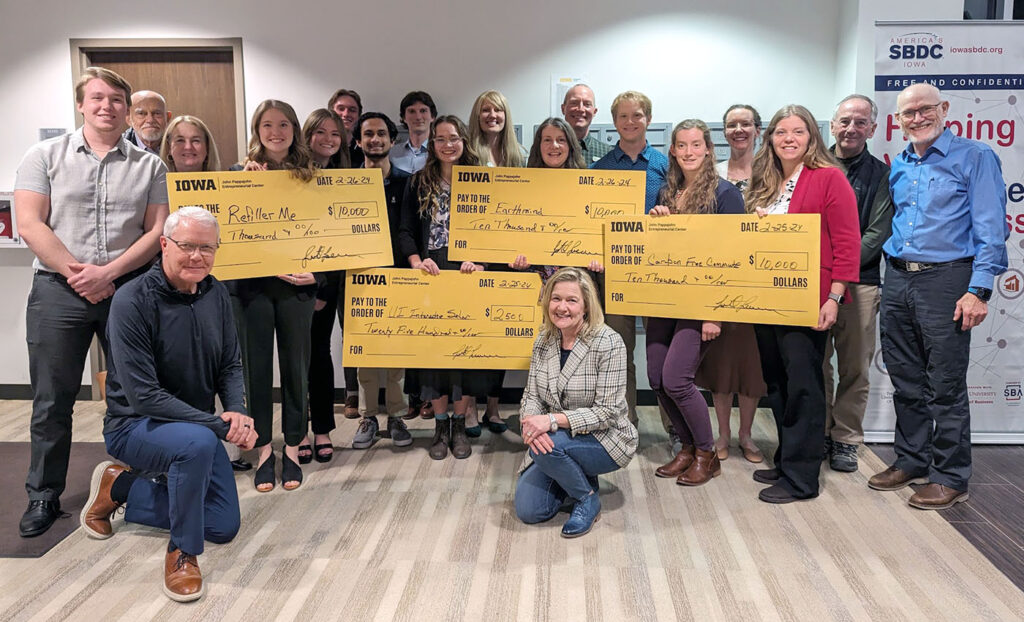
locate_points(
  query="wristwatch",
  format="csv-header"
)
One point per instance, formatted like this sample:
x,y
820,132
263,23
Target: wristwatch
x,y
554,422
983,293
837,297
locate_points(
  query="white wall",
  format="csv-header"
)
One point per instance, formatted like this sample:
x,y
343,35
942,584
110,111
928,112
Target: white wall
x,y
691,57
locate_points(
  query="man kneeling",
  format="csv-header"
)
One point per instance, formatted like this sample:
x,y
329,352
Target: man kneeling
x,y
173,349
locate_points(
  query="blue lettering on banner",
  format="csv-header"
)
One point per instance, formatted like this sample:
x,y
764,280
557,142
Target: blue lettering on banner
x,y
952,81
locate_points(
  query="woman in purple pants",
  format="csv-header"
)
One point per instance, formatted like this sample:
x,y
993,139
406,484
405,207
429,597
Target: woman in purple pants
x,y
675,346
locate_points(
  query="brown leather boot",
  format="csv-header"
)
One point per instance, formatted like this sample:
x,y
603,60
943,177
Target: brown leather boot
x,y
442,438
352,407
705,466
460,442
182,580
677,465
100,506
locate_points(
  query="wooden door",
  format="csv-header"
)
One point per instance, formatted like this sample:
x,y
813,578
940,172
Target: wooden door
x,y
200,81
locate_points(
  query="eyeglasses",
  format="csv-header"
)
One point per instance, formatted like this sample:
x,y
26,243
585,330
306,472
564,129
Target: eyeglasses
x,y
860,124
441,142
206,250
925,111
736,125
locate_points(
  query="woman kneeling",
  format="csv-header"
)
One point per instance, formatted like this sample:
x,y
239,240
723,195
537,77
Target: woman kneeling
x,y
573,414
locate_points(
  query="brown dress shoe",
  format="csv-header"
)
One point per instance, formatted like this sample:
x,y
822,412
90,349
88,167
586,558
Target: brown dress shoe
x,y
937,497
894,479
352,407
182,580
705,466
99,507
677,465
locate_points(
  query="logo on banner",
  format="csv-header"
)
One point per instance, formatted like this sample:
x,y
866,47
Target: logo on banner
x,y
1012,392
1009,284
915,48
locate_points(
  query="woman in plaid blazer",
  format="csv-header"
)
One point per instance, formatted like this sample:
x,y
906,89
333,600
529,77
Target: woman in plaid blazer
x,y
573,413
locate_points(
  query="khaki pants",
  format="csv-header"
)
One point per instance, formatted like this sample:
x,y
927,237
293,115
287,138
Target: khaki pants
x,y
852,338
369,391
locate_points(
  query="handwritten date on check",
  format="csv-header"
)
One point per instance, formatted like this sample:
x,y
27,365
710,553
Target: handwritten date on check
x,y
408,318
552,216
272,223
735,268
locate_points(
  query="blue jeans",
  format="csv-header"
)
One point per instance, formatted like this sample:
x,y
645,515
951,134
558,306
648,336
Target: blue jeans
x,y
570,470
927,355
199,501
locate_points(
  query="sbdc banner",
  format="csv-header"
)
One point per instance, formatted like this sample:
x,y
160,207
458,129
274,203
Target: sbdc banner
x,y
979,67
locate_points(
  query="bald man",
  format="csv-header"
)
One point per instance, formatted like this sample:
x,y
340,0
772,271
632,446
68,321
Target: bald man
x,y
578,108
148,117
948,245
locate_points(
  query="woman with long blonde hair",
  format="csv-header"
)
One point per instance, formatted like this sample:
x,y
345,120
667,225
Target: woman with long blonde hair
x,y
491,133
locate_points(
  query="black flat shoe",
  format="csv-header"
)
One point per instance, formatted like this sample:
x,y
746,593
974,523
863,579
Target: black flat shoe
x,y
38,517
778,494
265,474
766,476
290,472
241,465
323,457
495,427
305,453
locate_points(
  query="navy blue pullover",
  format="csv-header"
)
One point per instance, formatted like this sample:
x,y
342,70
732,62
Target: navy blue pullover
x,y
171,353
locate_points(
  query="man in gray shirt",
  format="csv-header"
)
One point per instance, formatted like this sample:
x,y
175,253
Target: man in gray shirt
x,y
578,109
91,206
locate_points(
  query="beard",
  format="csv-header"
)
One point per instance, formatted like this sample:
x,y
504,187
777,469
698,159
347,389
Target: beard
x,y
150,136
934,132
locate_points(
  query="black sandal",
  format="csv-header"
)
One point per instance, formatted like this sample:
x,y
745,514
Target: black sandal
x,y
323,457
265,474
290,472
305,453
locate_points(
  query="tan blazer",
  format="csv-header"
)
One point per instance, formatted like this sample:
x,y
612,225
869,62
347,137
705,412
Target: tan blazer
x,y
590,390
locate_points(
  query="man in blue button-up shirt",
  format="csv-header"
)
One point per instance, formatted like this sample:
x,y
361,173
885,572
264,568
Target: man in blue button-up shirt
x,y
947,247
631,113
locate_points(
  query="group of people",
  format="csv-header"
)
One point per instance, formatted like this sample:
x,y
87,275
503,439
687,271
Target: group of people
x,y
92,205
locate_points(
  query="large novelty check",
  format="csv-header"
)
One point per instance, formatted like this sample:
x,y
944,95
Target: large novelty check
x,y
552,216
408,318
715,267
272,223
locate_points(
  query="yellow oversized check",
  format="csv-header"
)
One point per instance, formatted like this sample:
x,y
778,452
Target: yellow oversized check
x,y
553,216
408,318
736,268
272,223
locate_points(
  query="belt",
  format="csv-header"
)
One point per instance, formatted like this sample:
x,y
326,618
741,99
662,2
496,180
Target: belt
x,y
920,266
118,282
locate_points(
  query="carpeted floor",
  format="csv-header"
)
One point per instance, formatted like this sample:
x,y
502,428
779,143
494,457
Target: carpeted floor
x,y
15,458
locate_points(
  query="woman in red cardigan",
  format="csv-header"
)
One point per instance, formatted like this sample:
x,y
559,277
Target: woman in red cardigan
x,y
794,173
